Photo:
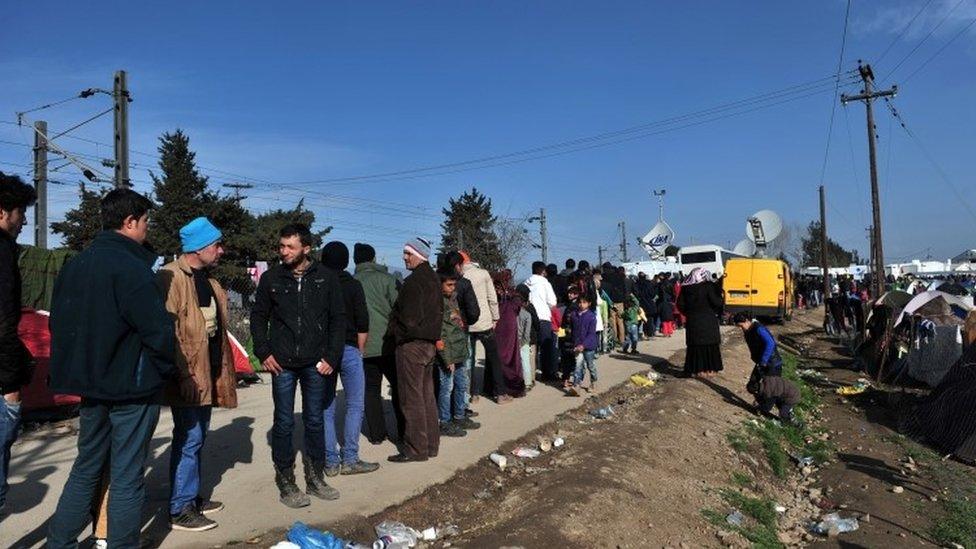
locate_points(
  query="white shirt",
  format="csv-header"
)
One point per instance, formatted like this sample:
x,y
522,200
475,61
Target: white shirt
x,y
541,296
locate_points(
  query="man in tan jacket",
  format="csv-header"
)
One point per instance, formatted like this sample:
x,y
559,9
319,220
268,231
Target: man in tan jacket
x,y
204,363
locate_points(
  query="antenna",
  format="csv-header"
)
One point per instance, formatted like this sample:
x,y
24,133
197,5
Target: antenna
x,y
660,203
762,228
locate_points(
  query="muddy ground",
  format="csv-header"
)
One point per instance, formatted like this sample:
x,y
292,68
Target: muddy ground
x,y
662,471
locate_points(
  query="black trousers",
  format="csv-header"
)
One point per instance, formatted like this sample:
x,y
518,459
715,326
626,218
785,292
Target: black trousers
x,y
376,368
492,379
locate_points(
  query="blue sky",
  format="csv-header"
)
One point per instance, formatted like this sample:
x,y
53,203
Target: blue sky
x,y
293,92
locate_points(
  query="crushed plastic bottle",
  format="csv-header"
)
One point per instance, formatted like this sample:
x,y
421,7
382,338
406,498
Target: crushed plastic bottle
x,y
523,452
735,518
602,413
832,524
499,460
396,535
309,538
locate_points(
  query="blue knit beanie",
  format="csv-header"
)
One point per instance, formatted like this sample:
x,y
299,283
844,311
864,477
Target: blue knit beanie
x,y
198,234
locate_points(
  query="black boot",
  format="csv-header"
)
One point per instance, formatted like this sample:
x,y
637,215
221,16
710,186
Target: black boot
x,y
315,481
291,495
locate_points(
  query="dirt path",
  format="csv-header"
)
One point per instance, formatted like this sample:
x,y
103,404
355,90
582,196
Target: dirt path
x,y
638,479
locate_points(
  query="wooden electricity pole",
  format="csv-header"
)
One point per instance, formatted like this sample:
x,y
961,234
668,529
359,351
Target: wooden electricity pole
x,y
120,94
823,245
867,95
40,183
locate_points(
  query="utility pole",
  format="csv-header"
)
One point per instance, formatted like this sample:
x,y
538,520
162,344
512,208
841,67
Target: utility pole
x,y
623,241
599,254
544,235
40,183
120,94
867,96
237,188
823,245
460,239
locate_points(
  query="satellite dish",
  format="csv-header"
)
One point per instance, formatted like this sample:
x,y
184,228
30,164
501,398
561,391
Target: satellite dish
x,y
763,227
745,248
657,240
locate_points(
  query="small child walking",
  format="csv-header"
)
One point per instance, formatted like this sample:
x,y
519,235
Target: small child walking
x,y
631,315
585,342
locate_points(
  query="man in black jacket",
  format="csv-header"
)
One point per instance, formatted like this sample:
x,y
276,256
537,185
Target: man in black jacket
x,y
298,325
335,256
15,360
415,327
113,343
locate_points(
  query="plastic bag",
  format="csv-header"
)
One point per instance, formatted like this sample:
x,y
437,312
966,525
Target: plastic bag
x,y
832,524
399,534
602,413
641,381
309,538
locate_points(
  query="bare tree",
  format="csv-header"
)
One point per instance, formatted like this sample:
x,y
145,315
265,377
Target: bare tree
x,y
513,241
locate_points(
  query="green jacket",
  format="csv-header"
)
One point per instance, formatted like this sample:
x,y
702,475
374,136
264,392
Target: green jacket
x,y
454,337
380,288
632,311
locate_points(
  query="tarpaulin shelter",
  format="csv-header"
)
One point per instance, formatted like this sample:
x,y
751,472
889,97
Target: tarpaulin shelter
x,y
938,304
947,417
39,269
33,331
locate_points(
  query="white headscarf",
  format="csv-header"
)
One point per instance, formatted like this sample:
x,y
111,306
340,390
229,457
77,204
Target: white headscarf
x,y
698,274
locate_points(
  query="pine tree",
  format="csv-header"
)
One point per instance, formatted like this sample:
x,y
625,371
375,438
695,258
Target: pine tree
x,y
470,225
837,256
180,191
81,224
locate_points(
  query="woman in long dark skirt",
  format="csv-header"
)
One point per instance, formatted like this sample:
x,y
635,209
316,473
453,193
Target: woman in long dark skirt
x,y
506,333
700,302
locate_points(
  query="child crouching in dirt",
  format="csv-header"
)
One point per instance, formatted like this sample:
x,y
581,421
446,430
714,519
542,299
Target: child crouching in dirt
x,y
766,382
584,345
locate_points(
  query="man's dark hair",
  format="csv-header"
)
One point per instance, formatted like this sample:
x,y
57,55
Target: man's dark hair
x,y
447,273
571,263
454,258
121,204
297,229
739,318
538,267
584,265
552,270
15,194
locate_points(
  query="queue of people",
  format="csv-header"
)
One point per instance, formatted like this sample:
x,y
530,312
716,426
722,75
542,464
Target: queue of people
x,y
129,340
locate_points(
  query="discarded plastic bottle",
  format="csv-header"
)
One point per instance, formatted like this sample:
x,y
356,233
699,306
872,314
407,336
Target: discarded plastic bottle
x,y
396,535
602,413
384,542
499,460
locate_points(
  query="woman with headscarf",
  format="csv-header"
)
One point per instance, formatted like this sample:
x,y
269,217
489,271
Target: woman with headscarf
x,y
506,334
700,302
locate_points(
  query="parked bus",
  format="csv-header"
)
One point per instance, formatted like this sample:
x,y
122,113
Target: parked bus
x,y
707,256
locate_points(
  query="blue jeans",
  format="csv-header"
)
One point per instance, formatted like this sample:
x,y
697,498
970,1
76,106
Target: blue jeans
x,y
632,336
117,433
585,360
313,399
452,393
190,426
353,378
9,428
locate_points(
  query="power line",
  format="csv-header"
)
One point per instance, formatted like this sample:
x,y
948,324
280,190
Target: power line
x,y
798,91
931,159
902,33
923,40
944,46
833,102
80,124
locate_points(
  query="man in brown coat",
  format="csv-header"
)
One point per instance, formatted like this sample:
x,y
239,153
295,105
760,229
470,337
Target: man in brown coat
x,y
204,363
415,327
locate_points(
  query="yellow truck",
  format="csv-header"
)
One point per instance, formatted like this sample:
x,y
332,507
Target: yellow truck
x,y
758,287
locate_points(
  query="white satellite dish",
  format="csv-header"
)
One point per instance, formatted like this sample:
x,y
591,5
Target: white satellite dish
x,y
763,227
745,248
657,240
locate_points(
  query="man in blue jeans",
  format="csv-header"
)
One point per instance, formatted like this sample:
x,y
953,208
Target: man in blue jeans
x,y
112,343
335,257
15,360
204,367
298,326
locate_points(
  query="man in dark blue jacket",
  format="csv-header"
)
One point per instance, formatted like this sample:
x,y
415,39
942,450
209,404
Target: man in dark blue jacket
x,y
762,345
298,325
15,360
112,343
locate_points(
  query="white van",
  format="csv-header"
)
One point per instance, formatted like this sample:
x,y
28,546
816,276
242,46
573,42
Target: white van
x,y
706,256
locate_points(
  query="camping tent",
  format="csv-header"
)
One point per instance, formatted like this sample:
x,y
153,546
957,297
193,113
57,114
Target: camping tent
x,y
936,303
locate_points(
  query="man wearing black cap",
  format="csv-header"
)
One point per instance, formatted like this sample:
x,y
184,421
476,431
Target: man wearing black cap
x,y
335,256
380,289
